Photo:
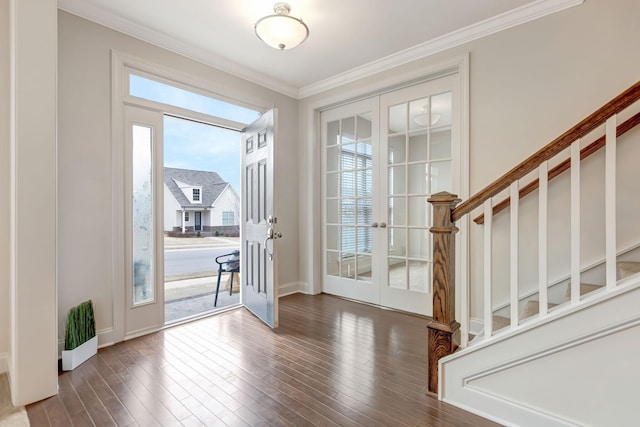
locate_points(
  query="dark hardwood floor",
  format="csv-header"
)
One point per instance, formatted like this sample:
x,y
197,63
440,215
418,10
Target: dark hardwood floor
x,y
332,363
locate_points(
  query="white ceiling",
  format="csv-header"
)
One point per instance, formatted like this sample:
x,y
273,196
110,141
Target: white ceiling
x,y
348,39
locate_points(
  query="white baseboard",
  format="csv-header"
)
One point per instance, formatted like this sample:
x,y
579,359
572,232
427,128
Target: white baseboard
x,y
4,363
291,288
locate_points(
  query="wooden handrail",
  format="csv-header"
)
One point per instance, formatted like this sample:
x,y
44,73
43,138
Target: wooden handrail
x,y
565,165
581,129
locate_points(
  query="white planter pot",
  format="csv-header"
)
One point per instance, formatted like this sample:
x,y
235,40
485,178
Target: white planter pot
x,y
74,358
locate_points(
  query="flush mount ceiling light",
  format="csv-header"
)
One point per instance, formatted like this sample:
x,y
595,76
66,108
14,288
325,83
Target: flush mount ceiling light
x,y
281,31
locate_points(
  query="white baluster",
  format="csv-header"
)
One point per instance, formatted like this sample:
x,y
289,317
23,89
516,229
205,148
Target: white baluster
x,y
610,201
515,297
575,222
543,180
488,303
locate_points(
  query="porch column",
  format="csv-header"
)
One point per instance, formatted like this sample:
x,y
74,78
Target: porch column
x,y
443,326
184,227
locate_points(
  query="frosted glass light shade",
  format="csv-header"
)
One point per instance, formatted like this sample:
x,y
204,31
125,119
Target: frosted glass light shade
x,y
281,31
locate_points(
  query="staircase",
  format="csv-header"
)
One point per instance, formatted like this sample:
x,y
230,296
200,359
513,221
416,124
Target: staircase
x,y
532,306
553,338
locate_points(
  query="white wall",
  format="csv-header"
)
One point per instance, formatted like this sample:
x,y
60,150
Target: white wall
x,y
4,184
33,363
84,157
172,218
227,201
528,85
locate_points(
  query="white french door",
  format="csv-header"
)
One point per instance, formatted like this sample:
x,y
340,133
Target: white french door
x,y
383,157
351,230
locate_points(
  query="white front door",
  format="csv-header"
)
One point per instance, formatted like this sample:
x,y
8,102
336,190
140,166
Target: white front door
x,y
258,229
383,157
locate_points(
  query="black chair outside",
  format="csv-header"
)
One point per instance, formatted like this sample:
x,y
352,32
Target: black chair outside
x,y
227,263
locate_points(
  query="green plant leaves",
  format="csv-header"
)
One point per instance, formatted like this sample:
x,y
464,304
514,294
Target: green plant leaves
x,y
81,325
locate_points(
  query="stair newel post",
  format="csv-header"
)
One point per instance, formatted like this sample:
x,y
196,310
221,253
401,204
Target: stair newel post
x,y
443,326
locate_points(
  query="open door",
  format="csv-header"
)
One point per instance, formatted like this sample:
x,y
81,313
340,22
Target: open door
x,y
258,225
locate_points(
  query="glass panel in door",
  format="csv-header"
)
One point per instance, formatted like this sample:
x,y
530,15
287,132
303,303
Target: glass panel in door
x,y
418,152
348,144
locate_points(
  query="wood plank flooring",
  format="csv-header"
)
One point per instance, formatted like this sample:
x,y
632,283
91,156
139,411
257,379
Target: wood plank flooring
x,y
331,363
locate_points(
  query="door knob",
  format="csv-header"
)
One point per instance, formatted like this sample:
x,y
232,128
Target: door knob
x,y
383,225
374,225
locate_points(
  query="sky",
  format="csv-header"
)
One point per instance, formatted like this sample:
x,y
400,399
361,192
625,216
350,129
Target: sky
x,y
193,145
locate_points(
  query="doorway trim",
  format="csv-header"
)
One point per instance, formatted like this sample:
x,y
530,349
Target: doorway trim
x,y
121,65
311,221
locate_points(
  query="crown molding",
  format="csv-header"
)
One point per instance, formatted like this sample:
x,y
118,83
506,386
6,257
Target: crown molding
x,y
92,13
512,18
521,15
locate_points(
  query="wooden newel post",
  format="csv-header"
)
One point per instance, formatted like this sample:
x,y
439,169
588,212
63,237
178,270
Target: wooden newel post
x,y
443,326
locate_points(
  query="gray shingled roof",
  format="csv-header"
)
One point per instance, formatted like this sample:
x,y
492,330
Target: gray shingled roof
x,y
212,185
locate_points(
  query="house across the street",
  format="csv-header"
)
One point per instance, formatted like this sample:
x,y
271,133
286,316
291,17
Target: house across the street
x,y
199,201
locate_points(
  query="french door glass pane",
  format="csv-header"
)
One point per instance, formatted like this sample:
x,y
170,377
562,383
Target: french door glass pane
x,y
348,262
419,114
364,267
441,179
333,184
333,237
418,147
348,130
365,151
397,180
397,242
397,211
364,213
364,239
440,144
142,215
397,273
419,211
363,124
418,178
333,211
333,264
419,164
398,118
397,149
419,243
441,109
419,276
333,158
333,133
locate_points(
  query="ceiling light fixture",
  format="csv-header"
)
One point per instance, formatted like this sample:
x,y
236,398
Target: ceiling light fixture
x,y
281,31
423,118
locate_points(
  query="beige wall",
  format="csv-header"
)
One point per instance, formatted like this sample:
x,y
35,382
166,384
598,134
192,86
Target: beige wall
x,y
84,126
528,84
4,183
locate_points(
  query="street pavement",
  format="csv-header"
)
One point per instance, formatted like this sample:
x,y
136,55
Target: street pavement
x,y
194,294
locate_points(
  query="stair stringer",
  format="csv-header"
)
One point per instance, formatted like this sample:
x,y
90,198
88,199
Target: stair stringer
x,y
577,366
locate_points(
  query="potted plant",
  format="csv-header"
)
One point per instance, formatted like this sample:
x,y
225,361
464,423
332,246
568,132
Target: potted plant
x,y
80,340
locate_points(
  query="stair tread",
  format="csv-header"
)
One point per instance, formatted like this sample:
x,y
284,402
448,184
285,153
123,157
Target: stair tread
x,y
585,288
500,322
627,268
531,308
